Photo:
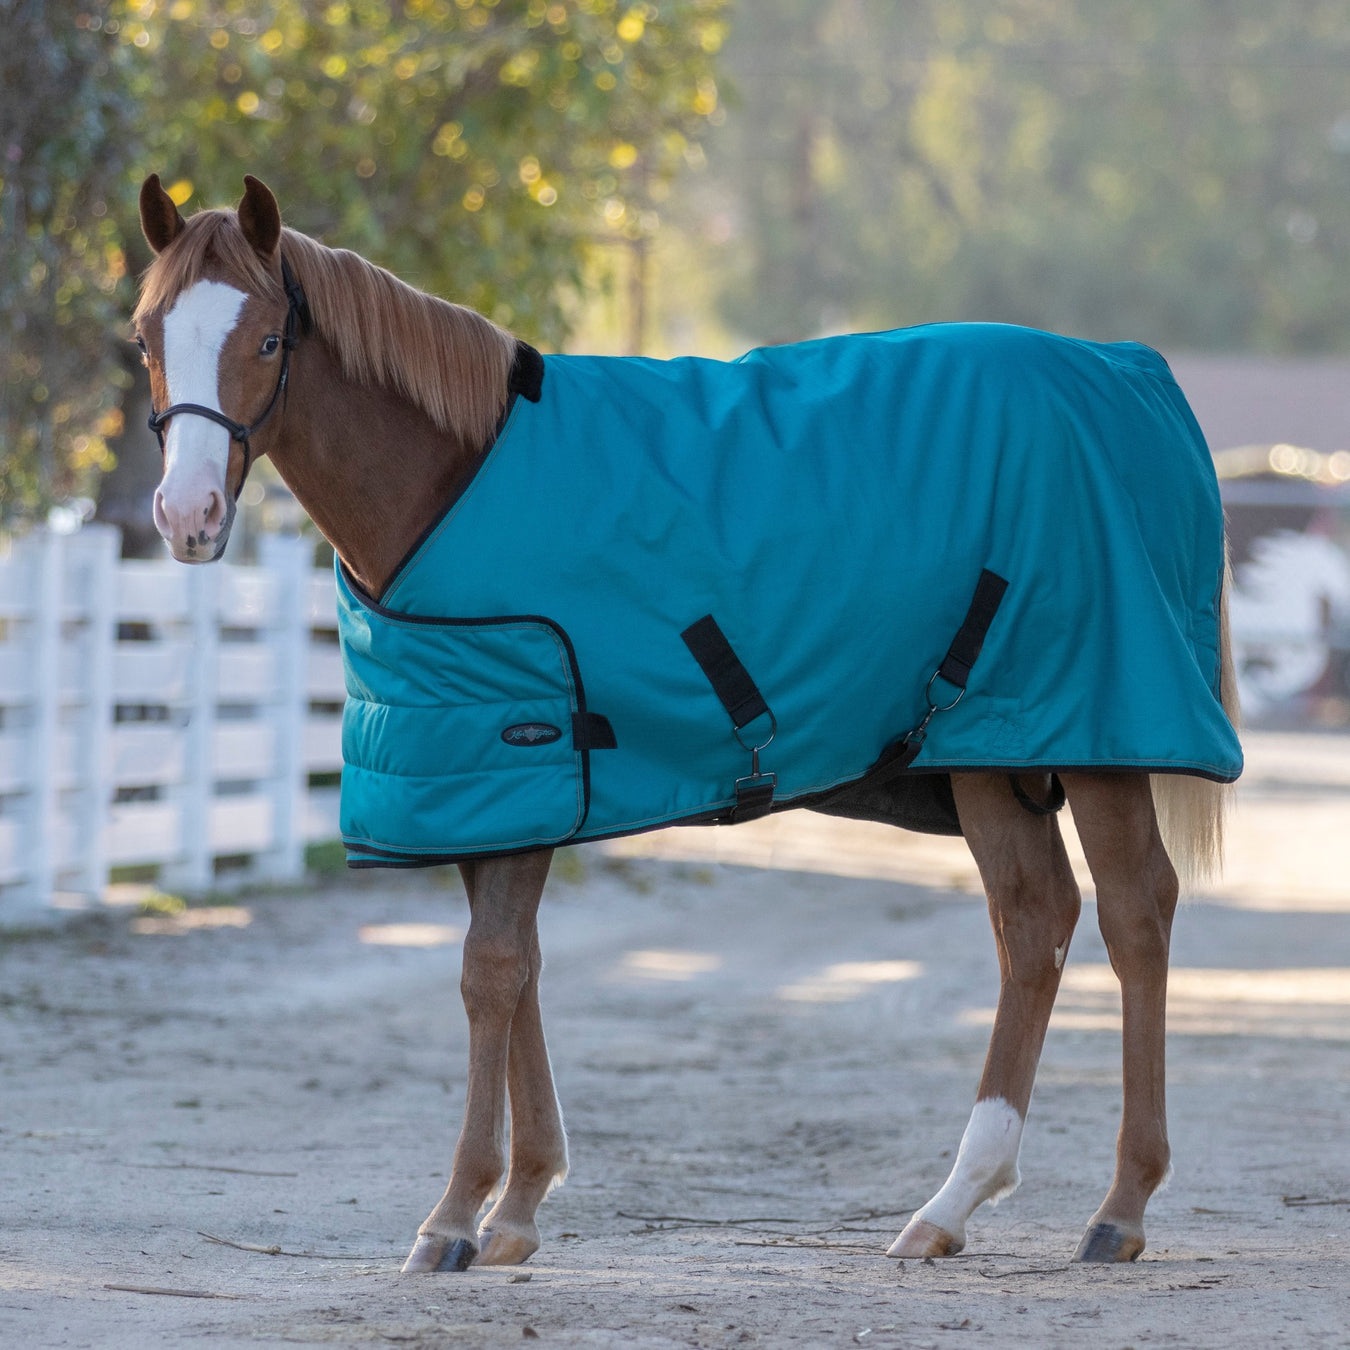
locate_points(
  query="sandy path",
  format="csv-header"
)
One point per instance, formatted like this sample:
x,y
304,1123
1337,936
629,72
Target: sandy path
x,y
762,1070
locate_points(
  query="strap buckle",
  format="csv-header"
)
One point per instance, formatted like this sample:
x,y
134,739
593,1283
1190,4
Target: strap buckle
x,y
754,793
744,704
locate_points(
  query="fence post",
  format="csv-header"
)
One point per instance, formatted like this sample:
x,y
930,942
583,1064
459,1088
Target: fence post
x,y
287,560
194,870
48,552
102,547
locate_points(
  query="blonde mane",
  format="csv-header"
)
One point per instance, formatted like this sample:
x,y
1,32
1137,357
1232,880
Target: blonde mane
x,y
447,360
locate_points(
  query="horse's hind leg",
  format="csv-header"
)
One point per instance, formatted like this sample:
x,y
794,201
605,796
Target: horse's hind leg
x,y
504,898
1136,898
1033,906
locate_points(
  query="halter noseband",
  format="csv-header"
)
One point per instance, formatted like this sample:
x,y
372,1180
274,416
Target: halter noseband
x,y
298,322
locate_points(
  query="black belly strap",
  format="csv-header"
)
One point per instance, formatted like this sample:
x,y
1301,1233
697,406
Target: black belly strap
x,y
1027,803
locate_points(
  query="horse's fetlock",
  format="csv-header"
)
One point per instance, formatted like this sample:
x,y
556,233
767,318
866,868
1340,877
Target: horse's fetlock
x,y
1146,1164
544,1173
480,1170
1156,1171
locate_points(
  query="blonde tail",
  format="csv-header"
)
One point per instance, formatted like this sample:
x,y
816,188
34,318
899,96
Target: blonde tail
x,y
1191,811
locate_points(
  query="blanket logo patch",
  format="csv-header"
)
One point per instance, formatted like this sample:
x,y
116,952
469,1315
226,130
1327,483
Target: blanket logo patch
x,y
532,733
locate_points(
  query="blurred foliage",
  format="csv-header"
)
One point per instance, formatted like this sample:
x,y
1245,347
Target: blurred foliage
x,y
66,138
327,858
1174,172
477,148
473,147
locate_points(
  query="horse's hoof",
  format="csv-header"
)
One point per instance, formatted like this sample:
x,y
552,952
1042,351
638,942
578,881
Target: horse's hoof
x,y
1109,1242
432,1253
505,1246
921,1238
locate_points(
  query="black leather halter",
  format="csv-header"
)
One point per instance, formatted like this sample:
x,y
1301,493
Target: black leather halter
x,y
299,322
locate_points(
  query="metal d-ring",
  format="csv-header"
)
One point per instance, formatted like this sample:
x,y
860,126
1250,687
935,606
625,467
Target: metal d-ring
x,y
946,707
917,735
763,745
754,793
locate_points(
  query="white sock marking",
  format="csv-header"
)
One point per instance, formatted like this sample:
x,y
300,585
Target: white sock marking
x,y
985,1168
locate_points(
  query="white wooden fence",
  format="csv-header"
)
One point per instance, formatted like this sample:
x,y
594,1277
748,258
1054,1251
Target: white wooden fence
x,y
161,720
185,722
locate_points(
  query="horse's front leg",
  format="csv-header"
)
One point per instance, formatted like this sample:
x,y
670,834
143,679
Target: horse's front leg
x,y
504,898
508,1234
1033,906
1136,899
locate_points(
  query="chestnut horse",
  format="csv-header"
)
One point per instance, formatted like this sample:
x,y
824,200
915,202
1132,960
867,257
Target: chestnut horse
x,y
374,401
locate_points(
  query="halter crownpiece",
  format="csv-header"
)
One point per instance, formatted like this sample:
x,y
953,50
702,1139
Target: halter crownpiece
x,y
299,322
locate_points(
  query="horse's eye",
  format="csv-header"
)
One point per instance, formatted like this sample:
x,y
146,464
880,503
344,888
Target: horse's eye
x,y
140,342
271,345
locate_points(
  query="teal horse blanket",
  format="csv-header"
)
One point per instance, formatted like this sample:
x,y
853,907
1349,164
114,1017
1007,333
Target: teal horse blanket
x,y
694,590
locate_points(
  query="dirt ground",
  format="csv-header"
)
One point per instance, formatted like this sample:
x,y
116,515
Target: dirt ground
x,y
764,1070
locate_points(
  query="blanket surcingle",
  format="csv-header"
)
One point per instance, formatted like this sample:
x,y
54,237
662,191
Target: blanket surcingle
x,y
695,590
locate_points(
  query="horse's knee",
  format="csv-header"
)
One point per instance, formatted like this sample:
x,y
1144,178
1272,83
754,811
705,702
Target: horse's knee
x,y
1135,912
1137,885
1022,862
1033,906
496,969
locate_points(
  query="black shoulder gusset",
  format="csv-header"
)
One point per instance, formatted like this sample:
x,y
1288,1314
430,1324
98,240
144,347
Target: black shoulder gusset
x,y
527,373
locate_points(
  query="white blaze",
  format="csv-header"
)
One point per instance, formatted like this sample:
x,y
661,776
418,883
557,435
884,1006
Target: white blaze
x,y
191,498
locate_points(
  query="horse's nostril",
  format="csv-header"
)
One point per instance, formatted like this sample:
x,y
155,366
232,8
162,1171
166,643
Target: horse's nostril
x,y
215,514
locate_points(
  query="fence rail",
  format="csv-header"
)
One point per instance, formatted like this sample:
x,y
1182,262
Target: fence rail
x,y
184,721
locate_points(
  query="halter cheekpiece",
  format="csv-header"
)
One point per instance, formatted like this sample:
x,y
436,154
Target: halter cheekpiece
x,y
299,322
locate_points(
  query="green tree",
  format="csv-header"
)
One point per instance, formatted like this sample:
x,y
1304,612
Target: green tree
x,y
474,147
1179,173
478,148
66,137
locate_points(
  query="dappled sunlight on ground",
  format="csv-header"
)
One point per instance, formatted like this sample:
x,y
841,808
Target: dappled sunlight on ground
x,y
761,1073
847,980
191,921
664,964
1309,1002
840,982
409,934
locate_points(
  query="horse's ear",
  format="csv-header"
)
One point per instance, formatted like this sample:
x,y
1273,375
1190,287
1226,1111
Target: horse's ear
x,y
260,218
159,216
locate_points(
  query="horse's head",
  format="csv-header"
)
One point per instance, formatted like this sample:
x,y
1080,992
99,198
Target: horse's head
x,y
218,316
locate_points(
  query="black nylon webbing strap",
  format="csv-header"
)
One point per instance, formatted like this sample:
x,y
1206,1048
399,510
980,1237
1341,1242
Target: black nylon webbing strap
x,y
592,731
896,757
1050,807
730,680
955,669
741,698
965,648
